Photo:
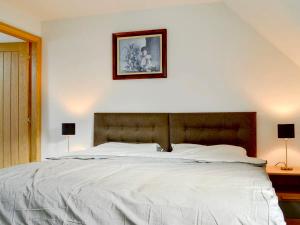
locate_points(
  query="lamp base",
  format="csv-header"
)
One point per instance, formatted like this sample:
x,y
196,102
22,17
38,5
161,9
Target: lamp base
x,y
286,168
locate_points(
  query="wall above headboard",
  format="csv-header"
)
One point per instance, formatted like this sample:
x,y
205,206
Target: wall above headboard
x,y
216,63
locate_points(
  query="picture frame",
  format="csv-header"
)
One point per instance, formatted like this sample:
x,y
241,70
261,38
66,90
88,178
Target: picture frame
x,y
139,54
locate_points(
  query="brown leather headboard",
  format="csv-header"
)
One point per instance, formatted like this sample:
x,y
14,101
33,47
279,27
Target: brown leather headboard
x,y
166,128
132,128
215,128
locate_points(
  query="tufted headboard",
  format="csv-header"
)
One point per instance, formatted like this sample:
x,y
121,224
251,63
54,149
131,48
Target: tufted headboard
x,y
236,128
132,128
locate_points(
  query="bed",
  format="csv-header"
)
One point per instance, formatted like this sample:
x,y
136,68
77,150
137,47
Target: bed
x,y
213,184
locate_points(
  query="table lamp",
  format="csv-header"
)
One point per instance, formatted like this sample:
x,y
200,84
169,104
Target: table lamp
x,y
68,129
286,131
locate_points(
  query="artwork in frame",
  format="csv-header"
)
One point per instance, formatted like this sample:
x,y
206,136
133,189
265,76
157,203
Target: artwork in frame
x,y
140,54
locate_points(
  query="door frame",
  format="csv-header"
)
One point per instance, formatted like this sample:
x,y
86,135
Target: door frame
x,y
36,76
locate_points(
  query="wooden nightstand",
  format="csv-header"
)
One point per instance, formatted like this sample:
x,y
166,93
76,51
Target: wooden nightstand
x,y
287,187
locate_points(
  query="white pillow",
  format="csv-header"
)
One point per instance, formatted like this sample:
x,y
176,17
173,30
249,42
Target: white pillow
x,y
125,147
185,148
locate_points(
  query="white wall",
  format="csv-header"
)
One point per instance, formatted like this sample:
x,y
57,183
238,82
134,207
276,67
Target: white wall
x,y
216,62
14,16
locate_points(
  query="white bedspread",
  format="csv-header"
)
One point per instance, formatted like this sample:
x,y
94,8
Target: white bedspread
x,y
98,187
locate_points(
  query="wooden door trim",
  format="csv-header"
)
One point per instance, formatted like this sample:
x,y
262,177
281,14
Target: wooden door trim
x,y
16,32
36,114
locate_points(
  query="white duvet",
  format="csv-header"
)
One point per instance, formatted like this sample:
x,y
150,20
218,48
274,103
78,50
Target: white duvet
x,y
107,186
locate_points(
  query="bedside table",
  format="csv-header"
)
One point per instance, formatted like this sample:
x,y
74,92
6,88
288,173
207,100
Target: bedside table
x,y
287,187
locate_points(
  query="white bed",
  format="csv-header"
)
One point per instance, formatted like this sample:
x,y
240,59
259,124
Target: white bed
x,y
112,185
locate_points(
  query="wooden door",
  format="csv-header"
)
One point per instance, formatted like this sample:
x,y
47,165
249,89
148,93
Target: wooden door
x,y
14,104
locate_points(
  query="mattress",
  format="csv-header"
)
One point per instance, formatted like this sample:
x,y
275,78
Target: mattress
x,y
159,188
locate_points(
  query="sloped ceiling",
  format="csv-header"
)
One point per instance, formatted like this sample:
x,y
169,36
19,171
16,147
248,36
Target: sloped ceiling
x,y
278,21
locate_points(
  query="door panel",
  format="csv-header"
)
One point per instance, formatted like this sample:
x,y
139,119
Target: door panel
x,y
14,104
6,109
24,102
1,110
14,113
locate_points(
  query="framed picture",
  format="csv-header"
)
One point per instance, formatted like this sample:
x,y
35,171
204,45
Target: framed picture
x,y
140,54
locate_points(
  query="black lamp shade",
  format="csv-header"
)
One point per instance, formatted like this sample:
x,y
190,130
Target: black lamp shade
x,y
286,131
68,129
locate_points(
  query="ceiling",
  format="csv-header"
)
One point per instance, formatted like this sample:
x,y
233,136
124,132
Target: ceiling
x,y
4,38
57,9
